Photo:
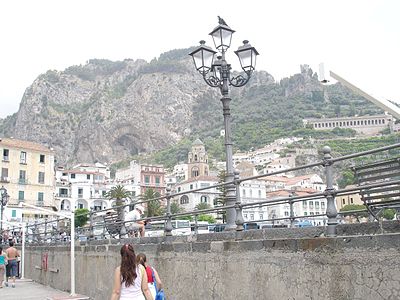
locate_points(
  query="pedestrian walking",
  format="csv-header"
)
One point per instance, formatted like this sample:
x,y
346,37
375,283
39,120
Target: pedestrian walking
x,y
153,279
130,278
3,261
12,255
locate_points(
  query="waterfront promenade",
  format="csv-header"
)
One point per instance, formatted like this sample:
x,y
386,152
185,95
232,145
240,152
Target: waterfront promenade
x,y
26,289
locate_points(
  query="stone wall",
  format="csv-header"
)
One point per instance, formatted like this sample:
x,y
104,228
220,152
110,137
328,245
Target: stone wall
x,y
261,264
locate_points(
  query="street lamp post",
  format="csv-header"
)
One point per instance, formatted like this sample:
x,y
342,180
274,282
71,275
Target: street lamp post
x,y
4,200
216,72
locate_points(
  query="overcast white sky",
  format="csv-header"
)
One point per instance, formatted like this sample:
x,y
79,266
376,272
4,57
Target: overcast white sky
x,y
359,40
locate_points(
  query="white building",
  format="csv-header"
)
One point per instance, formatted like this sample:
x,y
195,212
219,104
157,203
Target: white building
x,y
77,188
302,208
313,181
250,192
95,168
180,172
192,199
143,175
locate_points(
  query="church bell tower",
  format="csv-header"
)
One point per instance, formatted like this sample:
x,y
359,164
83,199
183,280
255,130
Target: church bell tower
x,y
198,160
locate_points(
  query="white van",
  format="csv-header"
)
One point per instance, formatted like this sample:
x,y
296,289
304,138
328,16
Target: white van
x,y
179,227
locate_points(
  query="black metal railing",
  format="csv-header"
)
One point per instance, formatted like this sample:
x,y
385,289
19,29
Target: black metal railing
x,y
58,229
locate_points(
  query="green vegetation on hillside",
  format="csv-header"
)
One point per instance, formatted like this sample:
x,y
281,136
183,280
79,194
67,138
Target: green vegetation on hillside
x,y
348,146
102,67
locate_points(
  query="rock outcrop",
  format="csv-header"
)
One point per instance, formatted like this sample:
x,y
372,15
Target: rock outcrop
x,y
106,111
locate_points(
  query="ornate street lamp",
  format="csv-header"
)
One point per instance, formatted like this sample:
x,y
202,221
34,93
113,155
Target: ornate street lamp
x,y
216,72
4,200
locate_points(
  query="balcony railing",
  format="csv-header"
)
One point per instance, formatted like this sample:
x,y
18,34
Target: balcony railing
x,y
5,179
63,195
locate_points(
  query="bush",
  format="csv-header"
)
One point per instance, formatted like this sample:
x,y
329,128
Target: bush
x,y
351,207
388,213
208,218
81,217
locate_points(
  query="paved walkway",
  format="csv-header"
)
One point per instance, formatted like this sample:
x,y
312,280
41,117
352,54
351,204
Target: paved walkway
x,y
28,290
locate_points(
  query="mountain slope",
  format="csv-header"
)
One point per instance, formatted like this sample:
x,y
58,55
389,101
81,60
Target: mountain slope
x,y
107,111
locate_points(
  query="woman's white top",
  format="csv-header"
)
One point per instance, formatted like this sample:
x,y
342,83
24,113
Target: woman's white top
x,y
133,291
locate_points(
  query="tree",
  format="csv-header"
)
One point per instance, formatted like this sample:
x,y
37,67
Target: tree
x,y
153,206
202,206
388,213
337,110
352,109
347,178
119,193
208,218
351,207
81,217
176,208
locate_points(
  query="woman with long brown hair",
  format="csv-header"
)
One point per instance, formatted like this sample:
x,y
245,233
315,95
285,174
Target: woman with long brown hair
x,y
130,278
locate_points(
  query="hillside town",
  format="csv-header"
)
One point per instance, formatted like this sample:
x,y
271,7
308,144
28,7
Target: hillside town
x,y
30,175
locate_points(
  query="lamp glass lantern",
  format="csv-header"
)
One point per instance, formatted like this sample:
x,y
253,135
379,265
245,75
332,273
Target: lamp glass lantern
x,y
222,36
203,57
247,56
5,199
216,67
4,196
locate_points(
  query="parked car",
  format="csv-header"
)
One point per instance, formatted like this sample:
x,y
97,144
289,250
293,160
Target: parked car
x,y
219,227
250,226
304,223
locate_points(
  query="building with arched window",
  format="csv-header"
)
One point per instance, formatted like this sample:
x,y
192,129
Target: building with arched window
x,y
83,186
367,125
192,199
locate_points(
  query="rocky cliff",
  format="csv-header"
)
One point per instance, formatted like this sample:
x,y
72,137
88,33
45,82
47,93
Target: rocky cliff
x,y
106,111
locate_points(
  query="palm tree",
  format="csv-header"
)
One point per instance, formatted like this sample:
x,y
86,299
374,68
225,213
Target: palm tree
x,y
176,208
119,193
153,206
202,206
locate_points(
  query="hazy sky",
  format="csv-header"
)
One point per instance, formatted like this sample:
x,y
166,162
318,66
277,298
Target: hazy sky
x,y
359,40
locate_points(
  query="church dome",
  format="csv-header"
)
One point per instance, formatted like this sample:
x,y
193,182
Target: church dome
x,y
197,142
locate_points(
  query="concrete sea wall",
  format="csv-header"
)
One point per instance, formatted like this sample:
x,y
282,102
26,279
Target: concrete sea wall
x,y
361,263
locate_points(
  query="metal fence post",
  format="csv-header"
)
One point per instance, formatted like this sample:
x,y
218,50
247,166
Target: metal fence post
x,y
36,234
291,212
331,211
121,215
58,229
45,230
238,205
196,226
168,225
91,231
